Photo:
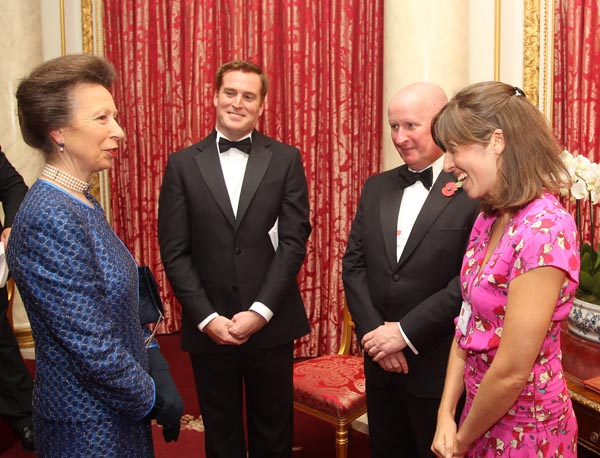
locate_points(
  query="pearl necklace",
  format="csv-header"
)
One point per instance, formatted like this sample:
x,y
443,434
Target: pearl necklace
x,y
64,179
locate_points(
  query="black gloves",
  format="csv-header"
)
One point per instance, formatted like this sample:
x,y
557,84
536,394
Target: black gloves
x,y
168,408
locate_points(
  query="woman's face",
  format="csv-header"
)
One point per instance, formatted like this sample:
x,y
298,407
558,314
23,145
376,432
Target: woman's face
x,y
92,139
476,165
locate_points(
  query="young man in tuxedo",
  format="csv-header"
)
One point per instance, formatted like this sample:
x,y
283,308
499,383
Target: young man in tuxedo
x,y
233,222
400,273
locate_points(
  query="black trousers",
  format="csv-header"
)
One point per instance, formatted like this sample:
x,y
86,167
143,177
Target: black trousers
x,y
400,424
264,376
15,381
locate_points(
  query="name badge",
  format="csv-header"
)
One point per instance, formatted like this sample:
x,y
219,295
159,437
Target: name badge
x,y
463,318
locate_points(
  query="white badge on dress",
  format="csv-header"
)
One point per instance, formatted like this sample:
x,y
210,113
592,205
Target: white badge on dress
x,y
463,318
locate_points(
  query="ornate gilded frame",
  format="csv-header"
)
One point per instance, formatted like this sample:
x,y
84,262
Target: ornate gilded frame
x,y
87,26
538,54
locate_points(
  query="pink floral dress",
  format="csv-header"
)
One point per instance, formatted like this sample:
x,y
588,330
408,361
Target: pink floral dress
x,y
541,423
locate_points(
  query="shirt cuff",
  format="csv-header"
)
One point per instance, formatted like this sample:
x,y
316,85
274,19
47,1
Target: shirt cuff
x,y
262,310
207,320
408,342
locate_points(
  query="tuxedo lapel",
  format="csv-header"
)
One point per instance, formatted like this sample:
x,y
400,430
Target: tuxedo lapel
x,y
212,173
433,206
391,196
258,161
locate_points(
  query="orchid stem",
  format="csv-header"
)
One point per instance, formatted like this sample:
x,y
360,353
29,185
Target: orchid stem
x,y
578,221
592,226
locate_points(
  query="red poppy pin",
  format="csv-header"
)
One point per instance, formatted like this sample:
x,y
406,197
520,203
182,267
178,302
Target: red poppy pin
x,y
451,187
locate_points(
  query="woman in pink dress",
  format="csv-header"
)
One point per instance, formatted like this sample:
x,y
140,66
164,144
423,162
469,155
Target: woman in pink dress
x,y
518,278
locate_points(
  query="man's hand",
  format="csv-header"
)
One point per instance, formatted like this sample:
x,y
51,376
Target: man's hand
x,y
384,341
245,324
218,331
396,362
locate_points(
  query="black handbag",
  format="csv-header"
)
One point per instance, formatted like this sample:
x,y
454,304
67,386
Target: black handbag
x,y
151,306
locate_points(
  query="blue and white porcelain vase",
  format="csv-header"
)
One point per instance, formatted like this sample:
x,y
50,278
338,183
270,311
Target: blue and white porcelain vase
x,y
584,320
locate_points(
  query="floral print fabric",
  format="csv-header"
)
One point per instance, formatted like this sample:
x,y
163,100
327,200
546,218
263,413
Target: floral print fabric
x,y
541,423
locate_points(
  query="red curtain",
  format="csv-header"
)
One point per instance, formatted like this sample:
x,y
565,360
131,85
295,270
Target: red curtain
x,y
576,116
324,62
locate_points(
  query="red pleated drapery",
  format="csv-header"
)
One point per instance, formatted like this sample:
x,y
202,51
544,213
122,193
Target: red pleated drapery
x,y
576,116
324,62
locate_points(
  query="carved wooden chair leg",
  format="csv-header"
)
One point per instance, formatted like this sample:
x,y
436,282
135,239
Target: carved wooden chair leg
x,y
341,441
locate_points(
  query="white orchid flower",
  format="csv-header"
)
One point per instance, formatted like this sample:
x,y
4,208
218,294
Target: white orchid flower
x,y
582,162
579,190
566,156
569,162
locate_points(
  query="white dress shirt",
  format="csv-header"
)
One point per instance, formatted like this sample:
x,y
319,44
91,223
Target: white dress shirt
x,y
412,201
233,163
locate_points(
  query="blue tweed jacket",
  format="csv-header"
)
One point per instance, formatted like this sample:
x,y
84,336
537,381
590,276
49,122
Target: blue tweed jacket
x,y
79,287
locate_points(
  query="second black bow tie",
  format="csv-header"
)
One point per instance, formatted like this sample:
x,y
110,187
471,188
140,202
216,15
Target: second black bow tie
x,y
243,145
408,177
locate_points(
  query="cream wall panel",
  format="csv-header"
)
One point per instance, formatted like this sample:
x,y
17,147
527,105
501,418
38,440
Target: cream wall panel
x,y
21,50
481,26
511,42
424,40
451,43
51,28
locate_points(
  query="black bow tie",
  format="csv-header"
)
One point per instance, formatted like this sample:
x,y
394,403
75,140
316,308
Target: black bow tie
x,y
408,177
243,145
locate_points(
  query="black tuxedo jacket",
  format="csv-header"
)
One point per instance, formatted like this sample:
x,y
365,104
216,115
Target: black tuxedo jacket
x,y
12,193
15,396
12,190
216,262
421,290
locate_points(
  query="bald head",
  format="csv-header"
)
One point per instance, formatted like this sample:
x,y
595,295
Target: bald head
x,y
427,95
410,113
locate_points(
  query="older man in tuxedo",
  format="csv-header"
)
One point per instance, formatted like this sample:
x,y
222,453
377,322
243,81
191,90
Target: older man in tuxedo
x,y
400,276
233,223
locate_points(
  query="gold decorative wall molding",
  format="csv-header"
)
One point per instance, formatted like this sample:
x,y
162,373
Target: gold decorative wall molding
x,y
63,35
548,26
87,26
538,53
531,50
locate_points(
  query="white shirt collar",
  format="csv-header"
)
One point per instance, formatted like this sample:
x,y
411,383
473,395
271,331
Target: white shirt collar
x,y
436,168
219,135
